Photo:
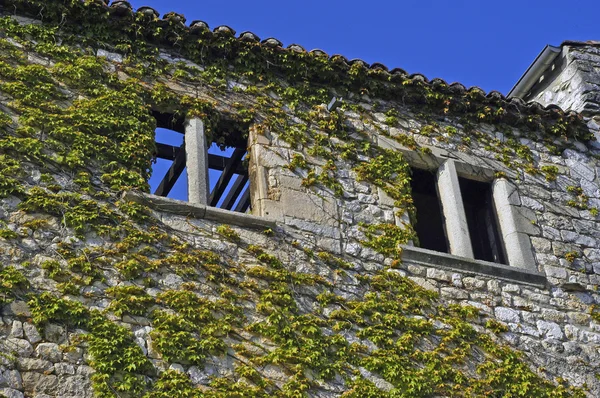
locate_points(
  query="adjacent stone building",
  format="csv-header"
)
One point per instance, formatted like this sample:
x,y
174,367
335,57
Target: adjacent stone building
x,y
367,233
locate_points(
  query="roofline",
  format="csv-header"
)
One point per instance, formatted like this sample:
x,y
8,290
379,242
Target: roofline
x,y
535,70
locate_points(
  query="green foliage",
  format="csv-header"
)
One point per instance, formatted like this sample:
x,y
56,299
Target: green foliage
x,y
389,171
228,233
495,326
11,280
334,261
118,361
78,213
325,177
298,162
9,170
195,330
173,383
391,117
571,256
130,300
8,234
550,172
81,115
595,312
387,238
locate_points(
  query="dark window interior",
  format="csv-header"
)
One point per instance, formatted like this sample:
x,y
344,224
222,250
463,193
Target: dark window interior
x,y
481,219
430,221
228,173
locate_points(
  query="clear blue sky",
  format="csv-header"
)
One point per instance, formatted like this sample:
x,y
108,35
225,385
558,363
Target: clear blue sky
x,y
476,42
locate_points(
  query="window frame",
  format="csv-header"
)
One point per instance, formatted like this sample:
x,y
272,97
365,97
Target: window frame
x,y
193,156
512,218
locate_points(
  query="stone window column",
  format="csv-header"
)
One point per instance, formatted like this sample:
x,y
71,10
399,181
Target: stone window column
x,y
516,242
196,151
457,229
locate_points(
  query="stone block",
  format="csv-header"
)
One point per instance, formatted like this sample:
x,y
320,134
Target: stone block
x,y
508,315
19,347
471,283
424,283
555,272
74,386
35,365
11,393
541,245
303,205
17,308
64,368
550,330
13,379
16,330
531,203
384,198
439,275
49,351
31,333
454,293
271,157
38,383
579,318
580,170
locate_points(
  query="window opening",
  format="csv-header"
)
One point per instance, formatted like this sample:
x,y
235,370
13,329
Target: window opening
x,y
228,178
227,170
169,177
481,218
430,220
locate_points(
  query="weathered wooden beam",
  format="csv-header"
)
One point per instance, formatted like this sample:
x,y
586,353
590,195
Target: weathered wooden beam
x,y
244,202
234,192
165,151
218,162
228,171
215,162
172,174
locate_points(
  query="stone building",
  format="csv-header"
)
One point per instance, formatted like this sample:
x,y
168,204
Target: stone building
x,y
367,233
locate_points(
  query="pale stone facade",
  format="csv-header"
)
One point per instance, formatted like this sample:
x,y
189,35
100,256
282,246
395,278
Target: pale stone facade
x,y
544,296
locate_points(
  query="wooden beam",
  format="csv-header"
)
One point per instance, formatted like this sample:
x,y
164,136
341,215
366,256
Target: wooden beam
x,y
228,171
218,162
165,151
234,192
172,174
244,202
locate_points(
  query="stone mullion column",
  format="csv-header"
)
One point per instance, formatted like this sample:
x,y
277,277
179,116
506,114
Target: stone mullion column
x,y
196,151
516,242
453,210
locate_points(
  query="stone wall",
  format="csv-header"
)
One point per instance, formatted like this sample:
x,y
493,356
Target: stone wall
x,y
312,260
575,84
550,323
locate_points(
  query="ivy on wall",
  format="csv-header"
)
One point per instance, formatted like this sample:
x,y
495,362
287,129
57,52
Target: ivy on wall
x,y
71,113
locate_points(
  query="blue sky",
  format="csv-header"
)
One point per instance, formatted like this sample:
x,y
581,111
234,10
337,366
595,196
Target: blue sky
x,y
483,43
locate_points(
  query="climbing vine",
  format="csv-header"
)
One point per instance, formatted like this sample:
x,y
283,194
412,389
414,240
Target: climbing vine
x,y
85,123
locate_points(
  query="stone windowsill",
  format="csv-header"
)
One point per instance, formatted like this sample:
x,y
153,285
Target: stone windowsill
x,y
195,210
430,258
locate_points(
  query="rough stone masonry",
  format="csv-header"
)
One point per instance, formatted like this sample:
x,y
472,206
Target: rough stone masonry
x,y
322,288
